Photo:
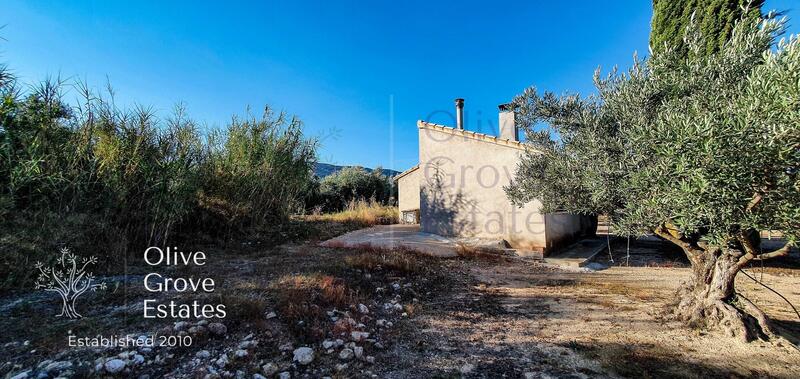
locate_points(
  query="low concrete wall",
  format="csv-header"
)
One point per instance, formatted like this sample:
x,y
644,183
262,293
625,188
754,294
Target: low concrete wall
x,y
564,228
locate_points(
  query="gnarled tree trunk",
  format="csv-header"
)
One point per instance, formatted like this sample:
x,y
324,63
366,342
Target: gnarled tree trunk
x,y
709,299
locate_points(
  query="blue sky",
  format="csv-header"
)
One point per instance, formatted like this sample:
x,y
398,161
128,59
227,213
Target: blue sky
x,y
358,75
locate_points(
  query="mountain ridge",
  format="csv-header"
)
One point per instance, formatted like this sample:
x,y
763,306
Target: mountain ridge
x,y
322,170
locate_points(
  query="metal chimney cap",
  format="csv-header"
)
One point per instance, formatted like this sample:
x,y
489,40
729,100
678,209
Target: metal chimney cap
x,y
459,101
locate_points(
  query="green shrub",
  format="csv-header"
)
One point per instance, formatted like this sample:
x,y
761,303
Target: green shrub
x,y
107,181
261,167
150,172
351,184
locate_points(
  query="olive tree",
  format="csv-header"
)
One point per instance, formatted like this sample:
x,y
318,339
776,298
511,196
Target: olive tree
x,y
702,151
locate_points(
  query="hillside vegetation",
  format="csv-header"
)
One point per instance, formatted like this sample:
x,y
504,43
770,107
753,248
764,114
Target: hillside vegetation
x,y
340,190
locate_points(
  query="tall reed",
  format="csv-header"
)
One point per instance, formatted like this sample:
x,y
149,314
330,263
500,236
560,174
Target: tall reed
x,y
106,180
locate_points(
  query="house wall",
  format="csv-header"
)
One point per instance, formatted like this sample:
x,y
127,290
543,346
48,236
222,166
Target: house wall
x,y
408,188
462,180
563,228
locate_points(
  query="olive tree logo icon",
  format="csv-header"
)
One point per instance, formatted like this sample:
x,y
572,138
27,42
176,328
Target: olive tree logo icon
x,y
68,280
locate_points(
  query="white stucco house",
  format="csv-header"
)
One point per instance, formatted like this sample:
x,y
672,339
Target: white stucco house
x,y
457,188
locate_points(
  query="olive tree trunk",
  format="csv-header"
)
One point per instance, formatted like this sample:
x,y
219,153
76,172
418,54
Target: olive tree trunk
x,y
709,299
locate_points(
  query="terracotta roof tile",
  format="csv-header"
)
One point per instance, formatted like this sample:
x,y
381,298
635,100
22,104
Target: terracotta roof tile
x,y
468,133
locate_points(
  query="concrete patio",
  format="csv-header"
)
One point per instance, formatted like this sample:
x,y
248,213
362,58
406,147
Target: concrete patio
x,y
410,237
395,236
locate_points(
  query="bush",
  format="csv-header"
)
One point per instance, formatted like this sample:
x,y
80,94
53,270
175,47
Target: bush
x,y
361,212
262,166
107,181
337,191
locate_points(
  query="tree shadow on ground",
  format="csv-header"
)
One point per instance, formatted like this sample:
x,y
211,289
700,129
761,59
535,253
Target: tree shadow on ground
x,y
549,320
789,329
651,251
648,361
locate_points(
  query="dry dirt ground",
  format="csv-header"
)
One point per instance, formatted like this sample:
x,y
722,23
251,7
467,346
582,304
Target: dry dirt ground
x,y
472,316
553,323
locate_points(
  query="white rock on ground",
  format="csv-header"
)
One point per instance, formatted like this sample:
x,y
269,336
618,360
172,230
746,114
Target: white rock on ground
x,y
197,330
138,359
271,315
285,375
358,351
114,366
248,344
363,309
466,368
181,325
202,354
346,354
359,336
286,347
303,355
392,307
327,344
269,369
222,361
258,376
43,363
240,353
58,366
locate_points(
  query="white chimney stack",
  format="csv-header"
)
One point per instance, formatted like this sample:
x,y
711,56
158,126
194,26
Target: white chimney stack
x,y
508,127
460,114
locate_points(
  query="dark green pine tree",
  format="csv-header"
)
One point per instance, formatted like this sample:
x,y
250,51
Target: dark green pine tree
x,y
714,18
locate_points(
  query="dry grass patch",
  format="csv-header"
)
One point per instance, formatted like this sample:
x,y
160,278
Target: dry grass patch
x,y
412,309
366,213
471,252
245,307
303,300
401,260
